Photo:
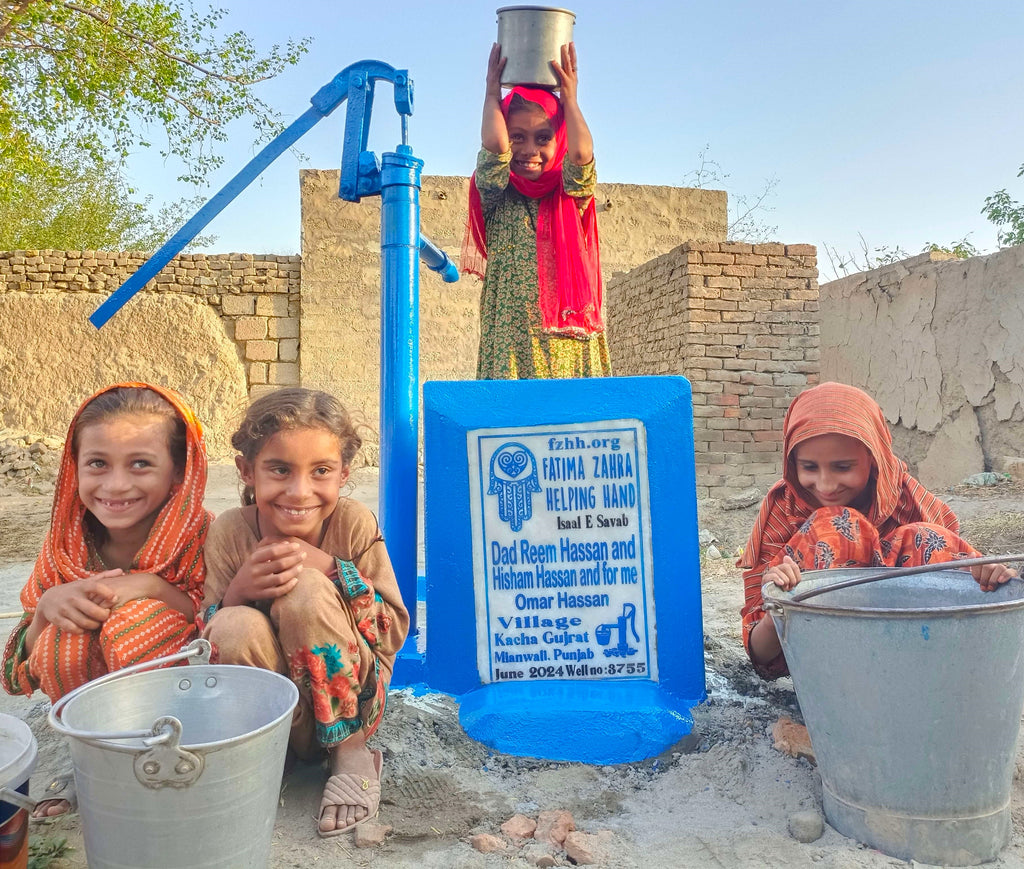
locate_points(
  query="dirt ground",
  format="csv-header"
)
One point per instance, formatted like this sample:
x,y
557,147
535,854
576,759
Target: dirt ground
x,y
721,798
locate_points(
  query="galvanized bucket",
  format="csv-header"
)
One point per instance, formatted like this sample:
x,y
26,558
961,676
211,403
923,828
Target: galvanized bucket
x,y
912,690
178,767
530,37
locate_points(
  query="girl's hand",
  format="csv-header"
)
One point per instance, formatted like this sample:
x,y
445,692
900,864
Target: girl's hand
x,y
79,606
991,576
493,130
785,575
314,557
271,571
495,65
566,72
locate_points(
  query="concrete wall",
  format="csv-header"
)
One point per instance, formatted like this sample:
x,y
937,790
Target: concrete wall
x,y
741,322
938,343
341,274
214,327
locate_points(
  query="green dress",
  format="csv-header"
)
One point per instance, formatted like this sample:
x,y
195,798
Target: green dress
x,y
513,344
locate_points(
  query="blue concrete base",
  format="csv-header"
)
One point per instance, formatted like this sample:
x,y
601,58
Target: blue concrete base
x,y
410,666
601,723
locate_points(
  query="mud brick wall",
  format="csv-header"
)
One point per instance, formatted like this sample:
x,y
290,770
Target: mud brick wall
x,y
741,322
949,336
219,329
256,296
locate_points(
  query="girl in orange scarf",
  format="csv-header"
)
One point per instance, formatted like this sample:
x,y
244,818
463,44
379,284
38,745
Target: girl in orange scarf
x,y
120,577
845,500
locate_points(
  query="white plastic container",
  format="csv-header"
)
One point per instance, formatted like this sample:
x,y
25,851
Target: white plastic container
x,y
17,761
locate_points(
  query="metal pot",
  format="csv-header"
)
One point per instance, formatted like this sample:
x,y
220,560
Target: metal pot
x,y
530,38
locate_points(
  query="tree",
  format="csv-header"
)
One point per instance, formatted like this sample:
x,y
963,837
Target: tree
x,y
70,202
747,212
100,77
1003,211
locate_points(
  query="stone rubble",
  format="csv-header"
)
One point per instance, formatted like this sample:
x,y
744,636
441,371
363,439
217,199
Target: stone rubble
x,y
589,849
792,739
370,834
808,826
550,840
519,827
29,462
486,843
554,826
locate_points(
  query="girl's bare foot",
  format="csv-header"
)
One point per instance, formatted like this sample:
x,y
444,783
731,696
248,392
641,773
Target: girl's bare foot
x,y
349,758
62,801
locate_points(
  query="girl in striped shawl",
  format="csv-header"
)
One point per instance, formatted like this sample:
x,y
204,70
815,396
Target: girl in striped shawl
x,y
845,500
120,577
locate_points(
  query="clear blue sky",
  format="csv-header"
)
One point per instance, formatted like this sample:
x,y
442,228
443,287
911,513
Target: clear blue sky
x,y
889,119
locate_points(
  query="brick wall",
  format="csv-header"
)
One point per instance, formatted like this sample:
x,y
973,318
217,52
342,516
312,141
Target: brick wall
x,y
256,296
741,322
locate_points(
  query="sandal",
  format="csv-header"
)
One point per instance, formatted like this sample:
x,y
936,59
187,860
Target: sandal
x,y
61,789
349,789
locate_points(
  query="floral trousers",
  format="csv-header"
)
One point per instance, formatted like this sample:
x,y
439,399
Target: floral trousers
x,y
315,636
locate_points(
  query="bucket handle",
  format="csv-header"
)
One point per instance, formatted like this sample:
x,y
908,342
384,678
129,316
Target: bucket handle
x,y
200,649
16,798
164,763
892,572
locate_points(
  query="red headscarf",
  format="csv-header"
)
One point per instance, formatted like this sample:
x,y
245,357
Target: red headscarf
x,y
568,262
174,547
835,408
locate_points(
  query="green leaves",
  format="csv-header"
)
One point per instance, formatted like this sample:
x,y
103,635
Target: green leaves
x,y
102,76
69,201
1007,214
41,853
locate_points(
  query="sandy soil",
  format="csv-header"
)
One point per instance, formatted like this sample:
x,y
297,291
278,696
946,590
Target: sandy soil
x,y
721,798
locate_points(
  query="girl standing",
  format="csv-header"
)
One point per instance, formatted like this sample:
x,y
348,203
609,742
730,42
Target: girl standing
x,y
845,500
299,582
532,233
120,577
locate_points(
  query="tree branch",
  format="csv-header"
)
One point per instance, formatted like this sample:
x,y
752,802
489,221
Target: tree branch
x,y
19,7
107,21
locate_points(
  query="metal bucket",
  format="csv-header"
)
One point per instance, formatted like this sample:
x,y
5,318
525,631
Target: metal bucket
x,y
530,37
911,689
193,774
17,761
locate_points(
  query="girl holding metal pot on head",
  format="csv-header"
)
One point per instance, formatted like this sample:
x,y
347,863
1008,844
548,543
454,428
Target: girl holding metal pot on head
x,y
532,231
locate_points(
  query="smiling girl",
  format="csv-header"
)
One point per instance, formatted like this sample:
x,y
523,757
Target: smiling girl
x,y
532,232
299,582
845,500
120,576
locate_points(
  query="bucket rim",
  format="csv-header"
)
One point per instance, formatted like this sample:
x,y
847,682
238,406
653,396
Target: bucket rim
x,y
529,8
193,671
19,768
776,597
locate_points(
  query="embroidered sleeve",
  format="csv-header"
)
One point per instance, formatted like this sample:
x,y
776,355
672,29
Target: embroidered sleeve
x,y
374,616
492,172
206,615
348,580
15,676
580,182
